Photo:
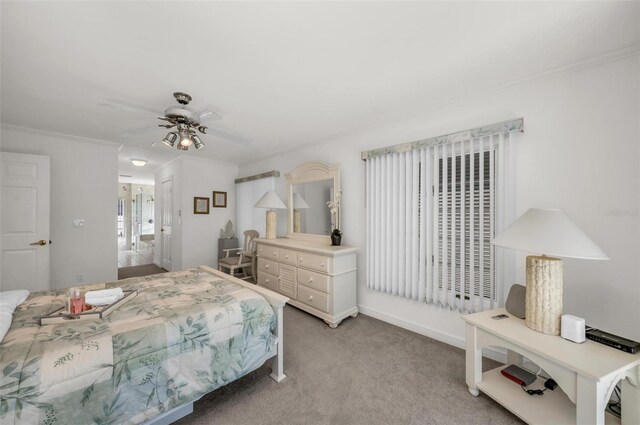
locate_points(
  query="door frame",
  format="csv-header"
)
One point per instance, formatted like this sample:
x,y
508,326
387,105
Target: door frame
x,y
159,229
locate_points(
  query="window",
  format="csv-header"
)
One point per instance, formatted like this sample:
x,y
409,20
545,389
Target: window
x,y
432,212
458,235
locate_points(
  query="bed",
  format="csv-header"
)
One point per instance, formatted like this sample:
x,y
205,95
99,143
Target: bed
x,y
185,334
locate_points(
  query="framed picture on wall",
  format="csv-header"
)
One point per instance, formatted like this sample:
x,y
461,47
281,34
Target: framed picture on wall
x,y
219,199
200,205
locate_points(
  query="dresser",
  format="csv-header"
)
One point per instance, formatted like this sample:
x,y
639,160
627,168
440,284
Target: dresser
x,y
318,278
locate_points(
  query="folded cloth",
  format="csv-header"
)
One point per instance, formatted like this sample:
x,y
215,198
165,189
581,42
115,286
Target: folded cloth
x,y
103,297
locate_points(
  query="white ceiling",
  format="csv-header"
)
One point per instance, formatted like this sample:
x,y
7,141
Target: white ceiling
x,y
280,74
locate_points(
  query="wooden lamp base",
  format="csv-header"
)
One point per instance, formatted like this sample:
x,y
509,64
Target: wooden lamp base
x,y
272,224
296,222
544,294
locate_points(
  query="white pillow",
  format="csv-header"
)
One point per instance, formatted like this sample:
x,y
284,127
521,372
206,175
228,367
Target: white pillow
x,y
13,298
9,300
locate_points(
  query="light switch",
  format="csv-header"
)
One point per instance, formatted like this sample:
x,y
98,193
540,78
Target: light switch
x,y
78,222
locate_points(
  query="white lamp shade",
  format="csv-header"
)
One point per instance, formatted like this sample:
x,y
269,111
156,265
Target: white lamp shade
x,y
271,200
549,232
299,203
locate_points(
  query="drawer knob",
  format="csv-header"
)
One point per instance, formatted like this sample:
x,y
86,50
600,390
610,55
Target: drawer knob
x,y
266,266
321,264
286,256
310,297
275,254
300,260
266,281
310,279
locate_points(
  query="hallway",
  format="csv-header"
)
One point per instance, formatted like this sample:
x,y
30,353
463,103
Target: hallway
x,y
128,258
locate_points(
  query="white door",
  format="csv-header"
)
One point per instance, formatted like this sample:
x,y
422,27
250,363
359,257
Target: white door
x,y
166,218
24,217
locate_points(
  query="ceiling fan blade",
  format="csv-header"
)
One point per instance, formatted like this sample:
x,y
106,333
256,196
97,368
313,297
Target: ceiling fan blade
x,y
137,131
230,137
123,106
206,115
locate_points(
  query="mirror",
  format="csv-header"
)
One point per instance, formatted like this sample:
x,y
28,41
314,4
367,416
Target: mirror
x,y
310,212
311,186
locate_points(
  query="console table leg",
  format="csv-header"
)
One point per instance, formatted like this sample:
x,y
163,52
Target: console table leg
x,y
473,358
590,401
631,398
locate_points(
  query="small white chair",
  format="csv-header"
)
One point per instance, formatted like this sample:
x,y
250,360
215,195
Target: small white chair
x,y
246,257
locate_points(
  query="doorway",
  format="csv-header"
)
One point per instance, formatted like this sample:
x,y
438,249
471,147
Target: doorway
x,y
136,227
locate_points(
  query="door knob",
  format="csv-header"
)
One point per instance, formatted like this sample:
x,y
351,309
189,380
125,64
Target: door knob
x,y
41,242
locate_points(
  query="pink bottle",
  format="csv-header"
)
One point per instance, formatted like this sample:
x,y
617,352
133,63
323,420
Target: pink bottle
x,y
76,301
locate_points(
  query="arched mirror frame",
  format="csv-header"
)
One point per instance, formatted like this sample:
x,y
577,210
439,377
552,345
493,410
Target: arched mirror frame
x,y
308,172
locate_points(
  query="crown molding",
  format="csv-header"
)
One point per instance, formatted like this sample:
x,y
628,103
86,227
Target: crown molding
x,y
40,132
612,56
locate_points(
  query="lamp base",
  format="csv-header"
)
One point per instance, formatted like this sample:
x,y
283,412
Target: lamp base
x,y
272,224
544,294
296,221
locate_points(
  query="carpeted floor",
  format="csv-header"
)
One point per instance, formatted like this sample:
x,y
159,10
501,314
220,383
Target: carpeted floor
x,y
137,271
364,372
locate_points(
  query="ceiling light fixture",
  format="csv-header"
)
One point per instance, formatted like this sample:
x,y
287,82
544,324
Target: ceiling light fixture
x,y
139,162
170,139
186,122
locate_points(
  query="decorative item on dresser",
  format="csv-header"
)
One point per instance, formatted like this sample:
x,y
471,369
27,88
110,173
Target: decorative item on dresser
x,y
318,278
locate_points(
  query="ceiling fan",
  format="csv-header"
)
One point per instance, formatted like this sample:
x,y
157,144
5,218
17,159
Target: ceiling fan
x,y
185,122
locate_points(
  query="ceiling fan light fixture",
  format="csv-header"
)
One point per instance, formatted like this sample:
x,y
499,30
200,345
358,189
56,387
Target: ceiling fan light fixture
x,y
199,144
170,139
185,141
182,147
139,162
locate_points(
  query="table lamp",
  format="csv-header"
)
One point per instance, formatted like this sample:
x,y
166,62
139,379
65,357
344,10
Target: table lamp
x,y
547,232
298,204
271,201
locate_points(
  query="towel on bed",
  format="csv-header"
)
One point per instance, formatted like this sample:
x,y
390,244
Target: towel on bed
x,y
103,297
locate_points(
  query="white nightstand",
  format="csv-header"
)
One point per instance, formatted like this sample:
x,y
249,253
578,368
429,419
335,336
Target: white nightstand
x,y
586,373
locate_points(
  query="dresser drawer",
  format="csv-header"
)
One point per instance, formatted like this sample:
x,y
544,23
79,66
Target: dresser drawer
x,y
268,280
313,280
268,266
288,256
312,261
268,252
313,298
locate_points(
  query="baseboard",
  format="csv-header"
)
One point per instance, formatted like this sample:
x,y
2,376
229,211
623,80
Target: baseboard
x,y
497,354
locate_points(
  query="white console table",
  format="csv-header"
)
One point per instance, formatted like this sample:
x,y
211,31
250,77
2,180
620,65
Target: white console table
x,y
586,373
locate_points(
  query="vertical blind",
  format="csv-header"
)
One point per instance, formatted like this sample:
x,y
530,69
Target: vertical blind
x,y
247,194
431,215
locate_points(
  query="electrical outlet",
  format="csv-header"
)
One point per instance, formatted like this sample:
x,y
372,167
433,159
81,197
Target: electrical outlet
x,y
80,277
78,222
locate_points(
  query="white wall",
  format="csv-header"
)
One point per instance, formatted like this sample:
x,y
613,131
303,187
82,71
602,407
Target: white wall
x,y
83,185
195,236
201,231
580,152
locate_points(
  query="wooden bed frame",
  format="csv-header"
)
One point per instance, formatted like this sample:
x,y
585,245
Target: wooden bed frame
x,y
277,302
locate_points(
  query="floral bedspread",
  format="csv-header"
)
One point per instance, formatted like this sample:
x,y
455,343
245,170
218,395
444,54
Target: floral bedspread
x,y
184,335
